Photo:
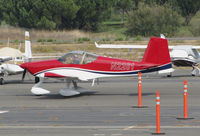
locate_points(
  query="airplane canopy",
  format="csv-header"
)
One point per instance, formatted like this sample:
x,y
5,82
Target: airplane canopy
x,y
77,57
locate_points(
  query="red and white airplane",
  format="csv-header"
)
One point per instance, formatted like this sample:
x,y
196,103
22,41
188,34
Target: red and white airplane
x,y
81,65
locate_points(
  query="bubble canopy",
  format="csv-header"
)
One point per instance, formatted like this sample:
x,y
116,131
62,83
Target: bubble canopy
x,y
77,57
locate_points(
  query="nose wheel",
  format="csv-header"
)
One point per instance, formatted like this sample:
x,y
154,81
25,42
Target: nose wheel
x,y
37,79
2,81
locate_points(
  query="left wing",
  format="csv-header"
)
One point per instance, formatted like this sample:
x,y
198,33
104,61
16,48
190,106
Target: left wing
x,y
119,46
5,58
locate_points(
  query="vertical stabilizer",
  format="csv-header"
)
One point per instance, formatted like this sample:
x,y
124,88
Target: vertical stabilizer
x,y
28,52
157,52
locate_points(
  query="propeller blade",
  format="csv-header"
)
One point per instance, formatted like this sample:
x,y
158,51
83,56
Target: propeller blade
x,y
24,74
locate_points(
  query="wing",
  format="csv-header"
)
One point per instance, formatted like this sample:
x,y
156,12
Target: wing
x,y
120,46
5,58
43,57
138,46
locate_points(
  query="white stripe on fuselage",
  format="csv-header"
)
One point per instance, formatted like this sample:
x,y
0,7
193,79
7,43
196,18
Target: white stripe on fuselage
x,y
85,74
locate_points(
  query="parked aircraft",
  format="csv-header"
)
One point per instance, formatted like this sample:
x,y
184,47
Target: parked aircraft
x,y
81,65
186,56
181,55
11,58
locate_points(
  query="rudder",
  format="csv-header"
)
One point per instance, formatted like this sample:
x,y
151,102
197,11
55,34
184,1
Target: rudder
x,y
28,52
157,52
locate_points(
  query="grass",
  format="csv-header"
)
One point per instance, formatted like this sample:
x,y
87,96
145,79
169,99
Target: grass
x,y
184,32
46,40
83,39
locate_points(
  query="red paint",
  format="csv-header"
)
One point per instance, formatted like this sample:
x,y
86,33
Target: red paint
x,y
48,74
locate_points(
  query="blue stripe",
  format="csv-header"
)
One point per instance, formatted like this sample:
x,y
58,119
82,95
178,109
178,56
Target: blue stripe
x,y
167,66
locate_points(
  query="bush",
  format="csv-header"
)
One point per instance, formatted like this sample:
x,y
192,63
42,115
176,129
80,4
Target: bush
x,y
83,39
195,25
138,38
51,40
105,39
41,40
46,40
184,32
151,21
195,30
119,39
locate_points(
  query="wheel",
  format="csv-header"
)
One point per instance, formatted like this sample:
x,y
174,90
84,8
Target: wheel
x,y
38,95
2,81
170,74
37,79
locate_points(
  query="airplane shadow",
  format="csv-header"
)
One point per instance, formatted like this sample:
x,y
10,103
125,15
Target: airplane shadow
x,y
143,94
175,76
58,96
18,82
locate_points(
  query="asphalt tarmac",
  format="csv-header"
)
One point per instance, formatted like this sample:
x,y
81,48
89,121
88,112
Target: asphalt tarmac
x,y
108,109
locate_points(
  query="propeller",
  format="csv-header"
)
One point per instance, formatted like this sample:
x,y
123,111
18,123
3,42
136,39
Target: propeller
x,y
37,79
24,74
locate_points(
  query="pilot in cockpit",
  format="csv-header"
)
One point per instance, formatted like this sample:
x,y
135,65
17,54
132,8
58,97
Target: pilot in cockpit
x,y
76,60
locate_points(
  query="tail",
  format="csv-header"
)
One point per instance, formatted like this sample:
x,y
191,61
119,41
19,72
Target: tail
x,y
28,52
157,54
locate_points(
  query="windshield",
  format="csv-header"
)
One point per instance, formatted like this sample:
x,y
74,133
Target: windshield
x,y
77,58
196,53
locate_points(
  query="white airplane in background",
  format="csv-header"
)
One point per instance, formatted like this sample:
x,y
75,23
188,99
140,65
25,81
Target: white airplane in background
x,y
181,55
10,59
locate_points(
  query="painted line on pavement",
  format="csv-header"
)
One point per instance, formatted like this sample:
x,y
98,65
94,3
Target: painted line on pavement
x,y
3,112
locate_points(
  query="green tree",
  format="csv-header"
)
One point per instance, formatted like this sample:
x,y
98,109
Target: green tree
x,y
151,21
126,6
42,14
188,8
91,13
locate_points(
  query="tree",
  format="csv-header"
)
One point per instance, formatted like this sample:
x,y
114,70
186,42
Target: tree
x,y
91,13
126,6
188,8
151,21
43,14
63,12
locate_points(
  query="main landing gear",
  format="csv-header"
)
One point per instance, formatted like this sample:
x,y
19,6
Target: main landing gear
x,y
2,81
195,70
75,90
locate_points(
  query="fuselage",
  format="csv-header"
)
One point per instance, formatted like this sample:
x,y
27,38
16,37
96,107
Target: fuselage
x,y
84,65
96,67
